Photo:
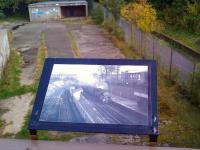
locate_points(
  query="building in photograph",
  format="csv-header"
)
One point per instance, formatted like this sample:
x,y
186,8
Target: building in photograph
x,y
55,10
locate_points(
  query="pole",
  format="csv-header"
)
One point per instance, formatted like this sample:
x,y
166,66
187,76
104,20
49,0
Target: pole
x,y
153,49
171,61
153,139
141,39
193,78
33,134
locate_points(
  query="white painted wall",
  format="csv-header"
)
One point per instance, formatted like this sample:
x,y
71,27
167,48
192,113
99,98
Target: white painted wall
x,y
44,13
4,50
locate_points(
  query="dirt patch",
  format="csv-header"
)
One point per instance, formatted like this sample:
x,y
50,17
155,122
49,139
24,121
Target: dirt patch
x,y
28,68
17,110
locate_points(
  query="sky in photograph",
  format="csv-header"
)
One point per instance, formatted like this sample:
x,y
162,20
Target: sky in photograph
x,y
91,69
85,73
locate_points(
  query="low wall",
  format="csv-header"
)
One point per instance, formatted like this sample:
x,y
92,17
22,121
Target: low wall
x,y
4,50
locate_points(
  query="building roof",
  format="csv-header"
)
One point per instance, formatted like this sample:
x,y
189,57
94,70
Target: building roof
x,y
59,3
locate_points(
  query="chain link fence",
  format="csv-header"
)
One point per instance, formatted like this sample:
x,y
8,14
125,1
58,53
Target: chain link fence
x,y
179,66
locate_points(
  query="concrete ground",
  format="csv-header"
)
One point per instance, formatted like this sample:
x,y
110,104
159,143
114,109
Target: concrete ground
x,y
43,145
91,41
57,42
17,109
26,40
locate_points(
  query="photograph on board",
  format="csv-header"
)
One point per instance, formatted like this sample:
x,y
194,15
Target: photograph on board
x,y
97,94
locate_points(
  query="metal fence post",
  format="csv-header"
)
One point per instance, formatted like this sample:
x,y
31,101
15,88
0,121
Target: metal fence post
x,y
171,62
193,78
132,43
141,38
153,49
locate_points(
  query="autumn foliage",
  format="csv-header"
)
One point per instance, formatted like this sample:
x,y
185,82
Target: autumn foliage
x,y
142,14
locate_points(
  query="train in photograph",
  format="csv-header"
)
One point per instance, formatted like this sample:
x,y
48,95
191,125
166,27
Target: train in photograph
x,y
99,94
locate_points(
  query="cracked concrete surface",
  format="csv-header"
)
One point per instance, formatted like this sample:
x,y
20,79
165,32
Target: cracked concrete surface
x,y
17,110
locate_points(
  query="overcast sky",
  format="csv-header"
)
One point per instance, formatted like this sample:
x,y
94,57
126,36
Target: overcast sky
x,y
91,69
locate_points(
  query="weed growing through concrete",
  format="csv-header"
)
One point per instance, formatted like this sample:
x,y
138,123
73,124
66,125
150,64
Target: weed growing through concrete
x,y
9,83
42,54
73,45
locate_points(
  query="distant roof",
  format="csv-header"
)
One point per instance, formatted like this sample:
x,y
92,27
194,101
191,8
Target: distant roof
x,y
60,3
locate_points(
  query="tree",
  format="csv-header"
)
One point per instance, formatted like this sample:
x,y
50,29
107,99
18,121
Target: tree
x,y
113,6
90,4
142,14
192,19
97,15
161,4
11,7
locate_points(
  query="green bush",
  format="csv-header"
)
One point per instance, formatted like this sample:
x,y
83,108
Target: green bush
x,y
182,14
118,32
107,24
192,19
97,15
2,15
112,27
114,6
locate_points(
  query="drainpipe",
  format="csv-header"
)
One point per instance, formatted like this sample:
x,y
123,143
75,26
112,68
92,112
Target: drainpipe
x,y
86,9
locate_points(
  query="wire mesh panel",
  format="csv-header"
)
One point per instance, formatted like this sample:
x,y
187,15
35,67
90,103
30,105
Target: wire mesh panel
x,y
164,54
137,39
150,47
126,27
145,42
182,65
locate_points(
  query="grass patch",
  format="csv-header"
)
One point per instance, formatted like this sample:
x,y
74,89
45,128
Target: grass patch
x,y
116,35
179,122
10,81
24,133
183,129
187,38
57,136
10,36
42,54
45,135
13,19
126,50
2,122
97,15
74,46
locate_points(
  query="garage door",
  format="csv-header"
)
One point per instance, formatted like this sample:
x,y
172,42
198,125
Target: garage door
x,y
73,11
